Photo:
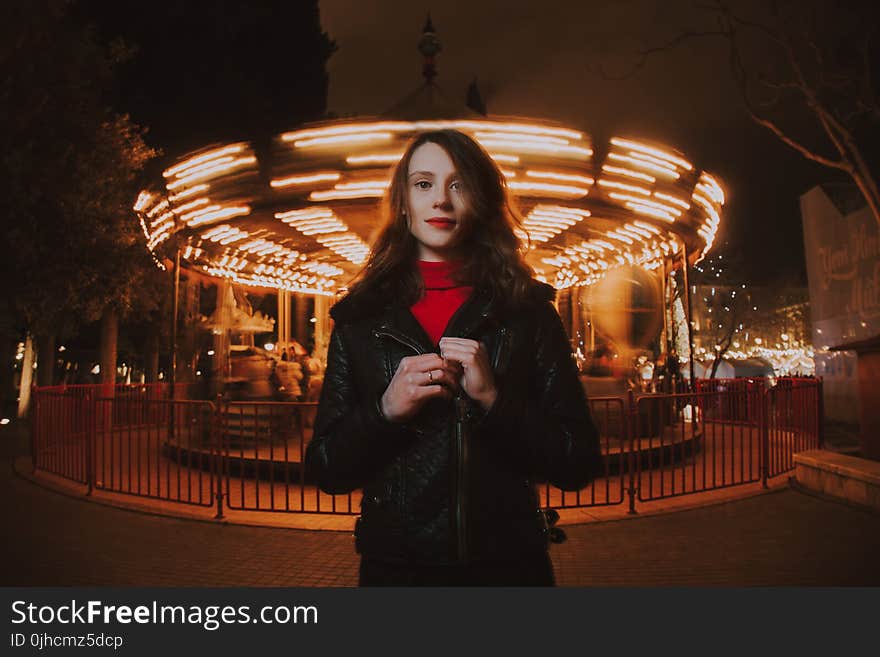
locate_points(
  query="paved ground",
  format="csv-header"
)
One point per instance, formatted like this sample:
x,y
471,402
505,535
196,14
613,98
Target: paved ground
x,y
780,538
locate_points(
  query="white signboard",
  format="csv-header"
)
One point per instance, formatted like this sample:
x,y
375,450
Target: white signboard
x,y
842,248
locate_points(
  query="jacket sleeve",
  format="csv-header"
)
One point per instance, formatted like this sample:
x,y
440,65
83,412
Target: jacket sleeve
x,y
351,438
549,426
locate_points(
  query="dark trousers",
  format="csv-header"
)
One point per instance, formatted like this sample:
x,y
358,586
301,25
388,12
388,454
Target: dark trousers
x,y
529,570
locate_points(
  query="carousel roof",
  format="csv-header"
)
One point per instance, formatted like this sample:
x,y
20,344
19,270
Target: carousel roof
x,y
300,216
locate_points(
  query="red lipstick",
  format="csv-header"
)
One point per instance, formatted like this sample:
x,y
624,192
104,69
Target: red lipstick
x,y
444,223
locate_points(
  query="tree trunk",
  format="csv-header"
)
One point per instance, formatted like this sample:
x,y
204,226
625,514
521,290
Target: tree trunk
x,y
151,359
8,343
109,335
46,359
27,377
715,364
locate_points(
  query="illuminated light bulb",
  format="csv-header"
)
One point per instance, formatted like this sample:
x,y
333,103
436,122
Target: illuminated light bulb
x,y
629,173
647,227
336,140
643,164
233,236
313,223
367,184
539,139
684,205
347,130
206,166
629,228
216,230
556,262
711,192
157,208
529,129
615,236
553,217
306,213
318,230
201,211
649,211
219,214
192,204
192,191
625,187
653,160
541,147
551,222
588,247
563,177
305,179
508,173
164,226
235,148
712,183
331,195
391,158
162,220
702,200
144,228
506,159
564,210
142,200
575,192
660,207
211,171
656,152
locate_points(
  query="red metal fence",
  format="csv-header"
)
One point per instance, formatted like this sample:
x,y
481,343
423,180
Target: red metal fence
x,y
249,456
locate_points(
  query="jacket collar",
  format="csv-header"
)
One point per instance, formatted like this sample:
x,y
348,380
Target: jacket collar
x,y
480,310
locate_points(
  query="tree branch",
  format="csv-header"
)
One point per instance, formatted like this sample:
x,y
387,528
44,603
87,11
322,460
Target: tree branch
x,y
800,148
740,76
644,55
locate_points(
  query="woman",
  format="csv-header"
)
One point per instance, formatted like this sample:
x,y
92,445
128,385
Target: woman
x,y
450,389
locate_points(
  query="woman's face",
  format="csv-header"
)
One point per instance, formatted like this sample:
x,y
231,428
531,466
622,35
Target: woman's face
x,y
435,202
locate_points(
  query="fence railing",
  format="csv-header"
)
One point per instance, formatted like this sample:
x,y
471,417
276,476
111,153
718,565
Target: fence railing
x,y
250,456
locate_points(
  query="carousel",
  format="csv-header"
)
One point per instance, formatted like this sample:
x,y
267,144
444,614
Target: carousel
x,y
613,226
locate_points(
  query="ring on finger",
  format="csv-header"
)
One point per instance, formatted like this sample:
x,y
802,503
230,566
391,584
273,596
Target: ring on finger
x,y
430,377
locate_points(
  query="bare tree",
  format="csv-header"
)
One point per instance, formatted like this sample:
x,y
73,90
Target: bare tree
x,y
793,60
724,310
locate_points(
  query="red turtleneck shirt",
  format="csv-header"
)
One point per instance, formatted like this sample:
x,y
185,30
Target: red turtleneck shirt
x,y
441,299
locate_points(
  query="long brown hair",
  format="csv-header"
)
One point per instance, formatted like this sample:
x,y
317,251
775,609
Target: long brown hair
x,y
491,253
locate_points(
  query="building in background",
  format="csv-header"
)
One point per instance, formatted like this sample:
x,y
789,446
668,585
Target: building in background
x,y
842,248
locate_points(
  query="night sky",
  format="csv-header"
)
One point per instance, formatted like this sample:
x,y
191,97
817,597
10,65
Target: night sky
x,y
538,60
530,59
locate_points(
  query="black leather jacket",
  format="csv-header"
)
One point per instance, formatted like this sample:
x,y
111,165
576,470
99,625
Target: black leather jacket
x,y
455,484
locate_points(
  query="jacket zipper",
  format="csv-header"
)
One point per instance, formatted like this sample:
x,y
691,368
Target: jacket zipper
x,y
406,342
412,345
461,445
461,449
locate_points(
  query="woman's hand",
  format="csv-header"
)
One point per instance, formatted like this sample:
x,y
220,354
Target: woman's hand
x,y
418,379
476,380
